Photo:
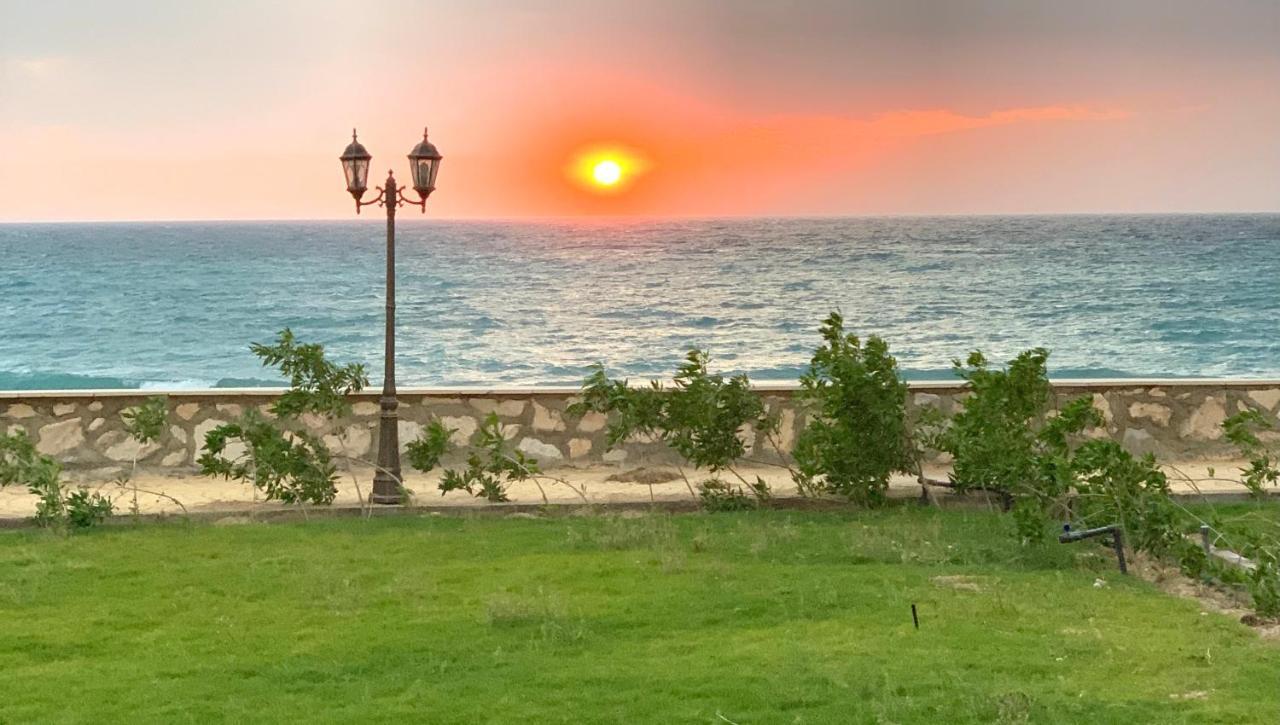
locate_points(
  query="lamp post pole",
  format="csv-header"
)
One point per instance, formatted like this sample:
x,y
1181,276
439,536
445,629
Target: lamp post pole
x,y
424,162
386,480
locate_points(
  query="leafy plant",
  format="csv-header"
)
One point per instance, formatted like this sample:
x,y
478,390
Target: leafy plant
x,y
703,417
1263,469
424,452
993,438
287,466
491,466
718,495
145,423
1264,581
286,462
1007,439
857,436
316,385
84,508
57,507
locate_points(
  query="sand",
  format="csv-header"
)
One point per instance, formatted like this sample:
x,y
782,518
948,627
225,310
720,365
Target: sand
x,y
596,484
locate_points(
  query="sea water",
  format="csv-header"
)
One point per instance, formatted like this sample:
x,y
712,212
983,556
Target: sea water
x,y
175,305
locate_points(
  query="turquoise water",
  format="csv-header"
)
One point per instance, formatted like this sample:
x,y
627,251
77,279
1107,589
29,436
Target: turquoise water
x,y
176,304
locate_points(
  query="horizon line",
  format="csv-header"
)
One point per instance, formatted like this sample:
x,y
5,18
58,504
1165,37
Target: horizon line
x,y
643,217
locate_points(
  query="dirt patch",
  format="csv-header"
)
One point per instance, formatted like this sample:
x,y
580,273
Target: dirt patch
x,y
644,475
1213,598
959,582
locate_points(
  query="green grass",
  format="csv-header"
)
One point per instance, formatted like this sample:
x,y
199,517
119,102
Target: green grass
x,y
770,617
1237,524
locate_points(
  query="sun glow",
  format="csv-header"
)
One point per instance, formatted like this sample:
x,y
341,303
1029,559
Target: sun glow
x,y
607,172
606,169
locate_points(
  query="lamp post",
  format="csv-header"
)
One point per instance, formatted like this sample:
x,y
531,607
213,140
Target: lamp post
x,y
424,162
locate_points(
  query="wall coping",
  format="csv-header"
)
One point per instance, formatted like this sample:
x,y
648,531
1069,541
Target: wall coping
x,y
508,391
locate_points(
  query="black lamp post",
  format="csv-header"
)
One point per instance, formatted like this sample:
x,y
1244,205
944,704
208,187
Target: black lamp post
x,y
424,163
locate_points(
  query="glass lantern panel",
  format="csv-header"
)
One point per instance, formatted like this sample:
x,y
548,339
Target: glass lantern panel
x,y
428,171
357,171
422,174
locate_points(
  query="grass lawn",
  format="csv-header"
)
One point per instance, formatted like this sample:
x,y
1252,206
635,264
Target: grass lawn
x,y
766,617
1237,521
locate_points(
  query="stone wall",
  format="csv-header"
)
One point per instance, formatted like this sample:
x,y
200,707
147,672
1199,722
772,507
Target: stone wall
x,y
1175,419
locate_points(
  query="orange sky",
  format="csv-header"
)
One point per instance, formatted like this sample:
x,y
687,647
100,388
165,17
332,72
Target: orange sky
x,y
228,110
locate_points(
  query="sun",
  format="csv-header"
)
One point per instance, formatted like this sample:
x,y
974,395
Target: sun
x,y
607,172
606,169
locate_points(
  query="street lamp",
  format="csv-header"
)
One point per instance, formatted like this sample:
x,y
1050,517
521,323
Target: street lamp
x,y
424,162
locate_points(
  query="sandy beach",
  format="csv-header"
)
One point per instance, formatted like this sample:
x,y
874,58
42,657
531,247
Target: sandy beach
x,y
600,484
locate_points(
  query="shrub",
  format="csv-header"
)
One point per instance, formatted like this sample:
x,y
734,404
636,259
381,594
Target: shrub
x,y
993,439
57,507
857,436
145,424
1005,440
717,495
491,466
285,462
703,416
1263,470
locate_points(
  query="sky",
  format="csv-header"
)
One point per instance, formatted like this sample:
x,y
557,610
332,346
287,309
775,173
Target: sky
x,y
221,109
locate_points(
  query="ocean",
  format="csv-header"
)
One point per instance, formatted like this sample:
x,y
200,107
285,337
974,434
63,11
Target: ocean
x,y
175,305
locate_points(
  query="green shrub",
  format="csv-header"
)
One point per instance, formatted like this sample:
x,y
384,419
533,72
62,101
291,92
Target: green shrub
x,y
716,495
1263,469
857,435
703,416
491,465
283,460
57,507
1007,439
993,439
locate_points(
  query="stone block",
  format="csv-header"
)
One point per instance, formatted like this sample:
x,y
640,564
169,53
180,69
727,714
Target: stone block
x,y
19,411
57,438
505,409
1155,412
178,434
579,447
202,429
1104,406
231,409
1268,399
365,408
592,422
546,420
539,449
463,426
1138,441
314,421
61,409
926,400
355,441
121,448
617,455
1205,422
97,423
187,411
409,431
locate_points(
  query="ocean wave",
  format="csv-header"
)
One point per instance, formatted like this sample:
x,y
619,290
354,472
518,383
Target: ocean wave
x,y
510,303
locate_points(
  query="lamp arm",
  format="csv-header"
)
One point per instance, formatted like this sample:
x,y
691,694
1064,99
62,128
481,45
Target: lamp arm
x,y
420,202
376,200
